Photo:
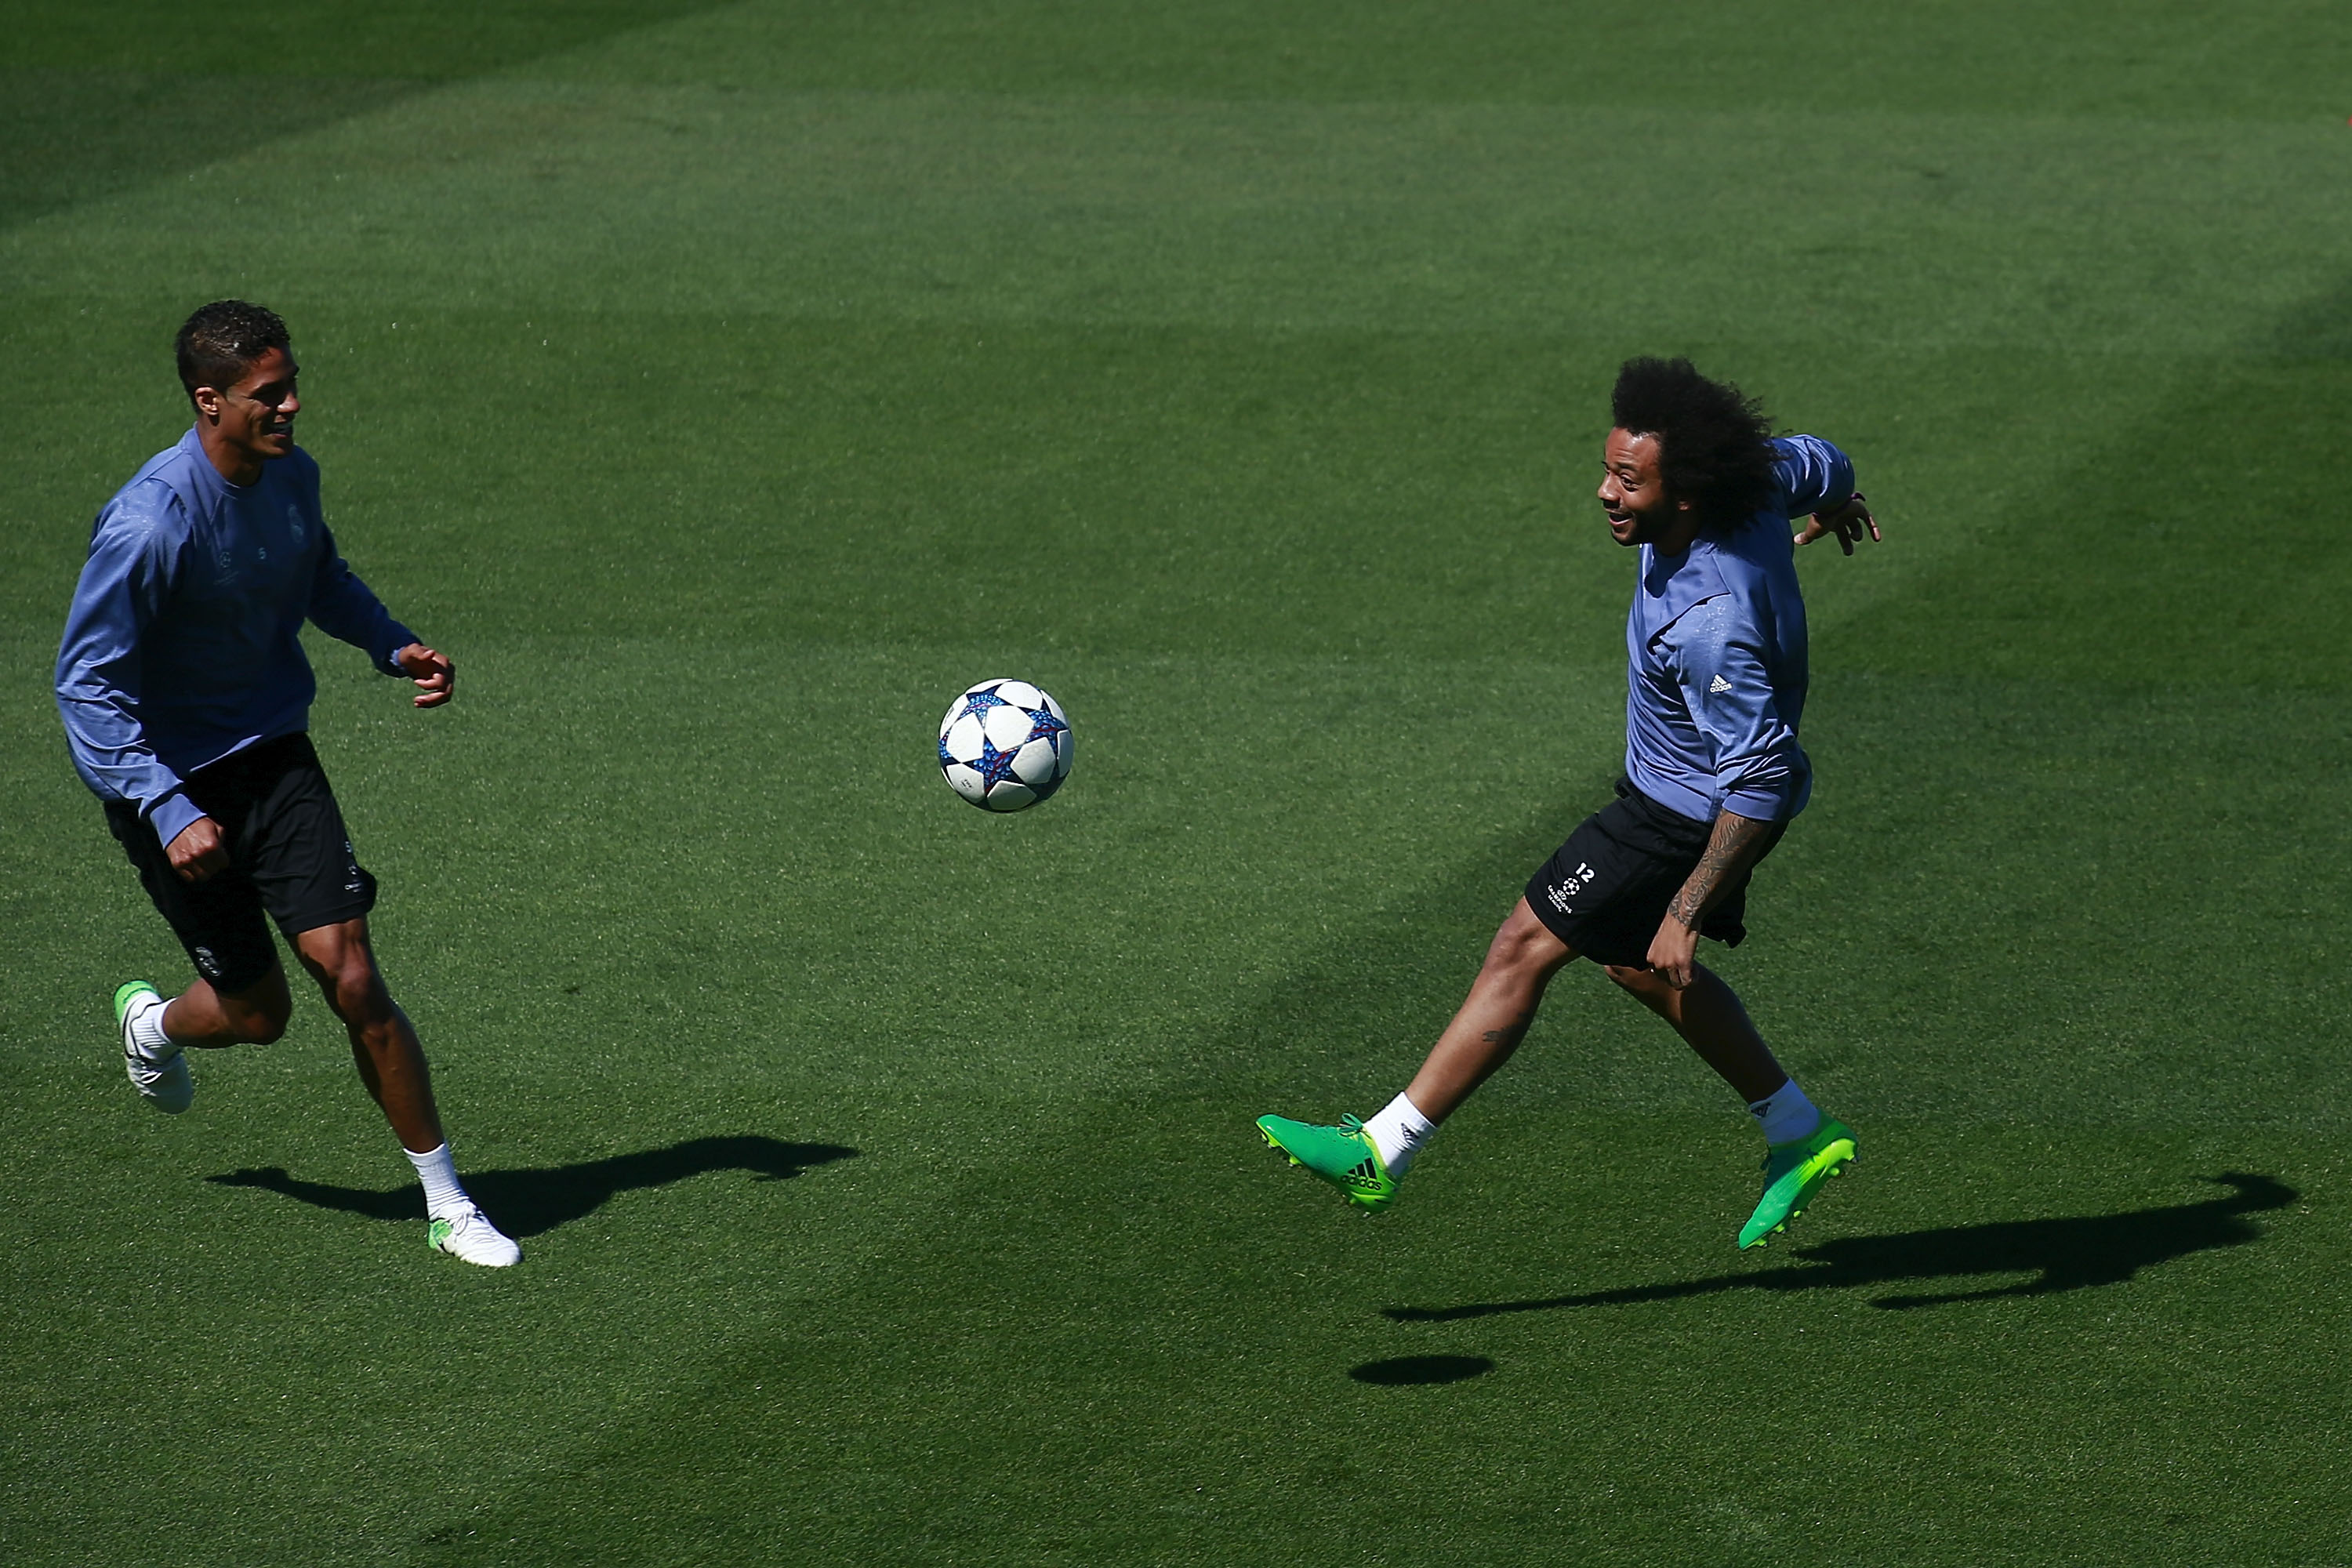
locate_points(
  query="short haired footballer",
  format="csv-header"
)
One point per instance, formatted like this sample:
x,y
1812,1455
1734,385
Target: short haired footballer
x,y
186,700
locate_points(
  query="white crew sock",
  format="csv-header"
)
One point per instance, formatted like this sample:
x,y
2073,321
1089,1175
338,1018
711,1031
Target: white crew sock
x,y
444,1198
1785,1113
147,1032
1398,1132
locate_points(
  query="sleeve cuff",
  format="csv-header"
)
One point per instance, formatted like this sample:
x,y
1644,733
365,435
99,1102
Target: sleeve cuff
x,y
1761,807
401,637
170,816
1837,480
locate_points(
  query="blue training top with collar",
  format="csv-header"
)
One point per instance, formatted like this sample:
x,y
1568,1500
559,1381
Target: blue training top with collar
x,y
1715,646
184,640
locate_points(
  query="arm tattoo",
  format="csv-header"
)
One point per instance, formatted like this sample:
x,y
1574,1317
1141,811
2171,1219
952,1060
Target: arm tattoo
x,y
1737,840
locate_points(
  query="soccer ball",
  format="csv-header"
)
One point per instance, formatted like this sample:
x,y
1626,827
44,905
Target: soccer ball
x,y
1004,745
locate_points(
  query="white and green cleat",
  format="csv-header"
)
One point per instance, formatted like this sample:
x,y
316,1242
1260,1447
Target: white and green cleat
x,y
162,1081
470,1236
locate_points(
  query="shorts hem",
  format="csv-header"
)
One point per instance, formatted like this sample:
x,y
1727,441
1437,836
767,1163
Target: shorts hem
x,y
1565,929
293,926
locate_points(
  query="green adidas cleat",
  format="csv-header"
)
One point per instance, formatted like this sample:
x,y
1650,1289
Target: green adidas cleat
x,y
1793,1171
1342,1155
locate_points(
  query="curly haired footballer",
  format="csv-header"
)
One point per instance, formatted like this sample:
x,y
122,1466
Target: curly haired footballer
x,y
1715,445
1715,679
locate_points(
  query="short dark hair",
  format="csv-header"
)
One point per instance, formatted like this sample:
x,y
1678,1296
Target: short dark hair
x,y
1715,445
221,339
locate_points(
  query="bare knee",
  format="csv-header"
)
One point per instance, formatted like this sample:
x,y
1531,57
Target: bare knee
x,y
357,993
341,959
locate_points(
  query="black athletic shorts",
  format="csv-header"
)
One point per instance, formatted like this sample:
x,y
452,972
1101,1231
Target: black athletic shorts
x,y
289,855
1605,891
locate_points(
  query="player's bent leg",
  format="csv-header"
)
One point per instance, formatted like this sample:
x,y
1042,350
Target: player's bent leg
x,y
209,1016
155,1033
1366,1161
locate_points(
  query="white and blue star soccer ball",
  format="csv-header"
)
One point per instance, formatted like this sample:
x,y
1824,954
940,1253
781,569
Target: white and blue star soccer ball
x,y
1004,745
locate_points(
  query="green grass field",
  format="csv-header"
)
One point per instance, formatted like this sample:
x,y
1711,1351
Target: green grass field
x,y
726,385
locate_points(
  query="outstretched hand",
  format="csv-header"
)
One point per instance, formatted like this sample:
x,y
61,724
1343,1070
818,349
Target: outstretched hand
x,y
436,677
1848,522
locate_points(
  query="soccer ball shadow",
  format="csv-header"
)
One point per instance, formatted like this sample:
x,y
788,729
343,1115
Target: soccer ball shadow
x,y
1421,1369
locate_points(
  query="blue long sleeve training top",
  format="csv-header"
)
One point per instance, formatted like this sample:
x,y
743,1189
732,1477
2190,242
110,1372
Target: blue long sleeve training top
x,y
184,643
1715,639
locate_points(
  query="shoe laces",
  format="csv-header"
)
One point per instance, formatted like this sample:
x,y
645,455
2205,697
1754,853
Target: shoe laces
x,y
1353,1125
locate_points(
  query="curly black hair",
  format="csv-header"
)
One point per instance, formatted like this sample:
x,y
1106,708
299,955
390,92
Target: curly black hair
x,y
1715,445
217,342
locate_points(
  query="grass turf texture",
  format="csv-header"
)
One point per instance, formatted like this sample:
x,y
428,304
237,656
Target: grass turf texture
x,y
726,386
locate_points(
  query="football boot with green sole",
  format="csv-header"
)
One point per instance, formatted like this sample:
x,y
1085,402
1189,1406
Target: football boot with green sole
x,y
1342,1155
469,1234
1793,1171
165,1083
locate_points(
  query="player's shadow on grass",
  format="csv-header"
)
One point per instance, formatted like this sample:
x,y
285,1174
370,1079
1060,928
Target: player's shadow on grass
x,y
530,1202
2061,1255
